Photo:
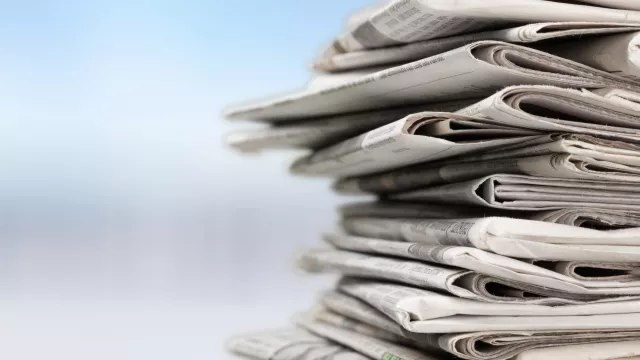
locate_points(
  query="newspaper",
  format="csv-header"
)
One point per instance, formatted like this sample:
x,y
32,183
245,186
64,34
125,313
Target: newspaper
x,y
406,21
520,238
581,217
579,157
474,70
578,277
561,110
596,271
417,138
622,98
423,311
332,318
616,4
372,347
625,350
321,81
490,345
341,61
358,311
463,283
517,192
317,133
590,218
561,166
618,54
289,344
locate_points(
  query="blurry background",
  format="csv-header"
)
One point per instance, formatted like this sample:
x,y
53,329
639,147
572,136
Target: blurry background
x,y
127,229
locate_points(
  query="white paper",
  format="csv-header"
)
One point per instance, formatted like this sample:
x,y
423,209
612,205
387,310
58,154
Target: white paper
x,y
618,54
489,345
367,345
404,21
626,350
422,311
417,138
561,110
578,157
317,133
559,275
511,237
289,344
517,192
475,70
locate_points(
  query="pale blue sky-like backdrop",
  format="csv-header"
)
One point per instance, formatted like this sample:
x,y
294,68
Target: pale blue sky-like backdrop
x,y
127,228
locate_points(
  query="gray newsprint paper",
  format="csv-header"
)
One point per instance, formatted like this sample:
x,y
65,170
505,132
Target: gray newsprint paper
x,y
622,98
592,271
578,157
551,109
520,238
489,345
517,192
577,277
590,218
535,289
332,318
406,21
321,132
623,350
423,311
370,346
416,138
618,54
289,344
472,71
581,217
606,113
530,33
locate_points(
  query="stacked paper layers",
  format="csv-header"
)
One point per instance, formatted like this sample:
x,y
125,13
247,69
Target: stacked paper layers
x,y
502,140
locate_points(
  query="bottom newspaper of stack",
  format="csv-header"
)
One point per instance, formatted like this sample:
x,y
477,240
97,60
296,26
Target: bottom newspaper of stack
x,y
491,288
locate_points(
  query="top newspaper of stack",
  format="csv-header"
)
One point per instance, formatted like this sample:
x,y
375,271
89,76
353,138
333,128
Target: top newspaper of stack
x,y
406,21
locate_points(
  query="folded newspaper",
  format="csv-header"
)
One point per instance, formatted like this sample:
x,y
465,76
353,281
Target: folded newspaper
x,y
622,98
562,110
618,54
491,345
516,192
530,33
321,132
577,277
417,138
580,217
464,283
474,70
370,346
290,344
406,21
520,238
579,157
423,311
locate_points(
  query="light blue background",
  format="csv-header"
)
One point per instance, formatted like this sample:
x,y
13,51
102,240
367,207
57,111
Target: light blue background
x,y
128,230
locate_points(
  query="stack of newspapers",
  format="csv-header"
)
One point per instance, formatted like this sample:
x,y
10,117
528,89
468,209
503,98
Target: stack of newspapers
x,y
500,140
